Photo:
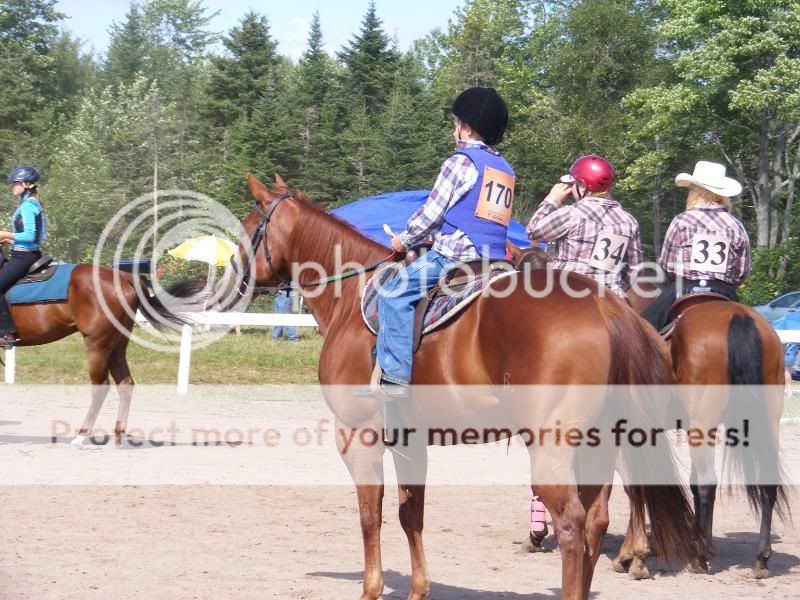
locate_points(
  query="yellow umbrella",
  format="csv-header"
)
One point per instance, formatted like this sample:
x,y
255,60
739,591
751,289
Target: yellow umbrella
x,y
208,249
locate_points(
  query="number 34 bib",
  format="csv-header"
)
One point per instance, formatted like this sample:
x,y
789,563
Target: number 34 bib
x,y
609,250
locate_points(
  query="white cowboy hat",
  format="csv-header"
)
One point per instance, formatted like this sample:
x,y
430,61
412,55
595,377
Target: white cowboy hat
x,y
710,176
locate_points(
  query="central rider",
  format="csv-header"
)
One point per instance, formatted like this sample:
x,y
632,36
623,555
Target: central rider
x,y
595,236
467,214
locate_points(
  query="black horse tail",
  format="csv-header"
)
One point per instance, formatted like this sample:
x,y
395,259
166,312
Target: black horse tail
x,y
754,459
641,376
156,312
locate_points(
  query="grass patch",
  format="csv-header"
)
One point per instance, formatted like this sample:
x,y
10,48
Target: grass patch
x,y
251,358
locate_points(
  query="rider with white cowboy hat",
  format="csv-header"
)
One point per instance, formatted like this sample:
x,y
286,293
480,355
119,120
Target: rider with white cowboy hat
x,y
706,248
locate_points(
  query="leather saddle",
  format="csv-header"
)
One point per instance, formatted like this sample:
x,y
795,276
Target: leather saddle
x,y
41,270
455,280
684,303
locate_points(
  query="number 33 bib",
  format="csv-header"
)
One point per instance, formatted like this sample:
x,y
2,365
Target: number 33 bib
x,y
710,252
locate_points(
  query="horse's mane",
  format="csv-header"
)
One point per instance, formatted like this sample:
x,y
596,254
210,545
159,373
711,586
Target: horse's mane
x,y
322,230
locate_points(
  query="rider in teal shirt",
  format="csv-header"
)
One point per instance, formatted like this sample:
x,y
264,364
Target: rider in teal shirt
x,y
28,231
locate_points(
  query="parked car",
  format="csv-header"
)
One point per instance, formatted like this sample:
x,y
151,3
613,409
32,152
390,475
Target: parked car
x,y
791,360
780,307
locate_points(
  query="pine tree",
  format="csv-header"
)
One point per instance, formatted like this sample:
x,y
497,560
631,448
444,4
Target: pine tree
x,y
315,71
127,48
370,61
240,79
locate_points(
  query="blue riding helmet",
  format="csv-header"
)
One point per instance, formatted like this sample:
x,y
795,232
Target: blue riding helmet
x,y
24,175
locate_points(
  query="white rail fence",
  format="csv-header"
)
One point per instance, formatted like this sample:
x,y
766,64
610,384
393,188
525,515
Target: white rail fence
x,y
251,320
205,318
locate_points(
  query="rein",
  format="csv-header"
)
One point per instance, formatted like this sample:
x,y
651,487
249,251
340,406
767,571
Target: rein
x,y
261,235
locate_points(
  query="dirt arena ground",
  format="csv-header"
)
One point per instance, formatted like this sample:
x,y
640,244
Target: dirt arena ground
x,y
165,540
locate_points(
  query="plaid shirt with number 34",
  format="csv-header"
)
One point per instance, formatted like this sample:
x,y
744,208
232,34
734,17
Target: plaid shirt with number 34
x,y
576,230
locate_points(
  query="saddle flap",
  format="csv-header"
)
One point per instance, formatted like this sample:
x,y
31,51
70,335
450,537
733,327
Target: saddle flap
x,y
41,270
45,260
455,290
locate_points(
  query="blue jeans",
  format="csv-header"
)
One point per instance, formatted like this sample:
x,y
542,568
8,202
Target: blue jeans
x,y
396,314
283,305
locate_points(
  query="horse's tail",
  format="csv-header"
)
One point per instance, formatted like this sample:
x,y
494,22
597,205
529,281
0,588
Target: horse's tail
x,y
641,372
154,310
758,463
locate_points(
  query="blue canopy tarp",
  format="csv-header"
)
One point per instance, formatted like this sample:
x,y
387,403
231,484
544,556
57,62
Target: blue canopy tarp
x,y
394,209
790,321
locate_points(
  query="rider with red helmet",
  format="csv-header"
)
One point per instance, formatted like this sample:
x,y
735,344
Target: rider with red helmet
x,y
594,236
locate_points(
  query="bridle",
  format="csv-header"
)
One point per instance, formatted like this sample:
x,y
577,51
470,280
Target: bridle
x,y
261,236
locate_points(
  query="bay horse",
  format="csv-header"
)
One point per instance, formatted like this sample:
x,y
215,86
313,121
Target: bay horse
x,y
101,305
480,348
722,343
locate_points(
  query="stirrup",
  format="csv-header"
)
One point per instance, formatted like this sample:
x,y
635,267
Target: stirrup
x,y
395,391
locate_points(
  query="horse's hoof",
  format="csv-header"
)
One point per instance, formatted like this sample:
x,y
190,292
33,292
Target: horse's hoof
x,y
760,569
532,545
638,572
80,441
699,566
621,565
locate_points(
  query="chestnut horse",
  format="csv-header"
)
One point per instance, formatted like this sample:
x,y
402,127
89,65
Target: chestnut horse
x,y
101,308
480,348
722,343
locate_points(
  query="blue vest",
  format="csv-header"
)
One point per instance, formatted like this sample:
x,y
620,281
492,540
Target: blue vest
x,y
483,233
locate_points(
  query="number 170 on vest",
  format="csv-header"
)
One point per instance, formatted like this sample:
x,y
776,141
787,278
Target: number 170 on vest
x,y
497,196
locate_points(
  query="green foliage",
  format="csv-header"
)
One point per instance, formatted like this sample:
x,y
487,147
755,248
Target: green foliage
x,y
370,61
653,84
239,79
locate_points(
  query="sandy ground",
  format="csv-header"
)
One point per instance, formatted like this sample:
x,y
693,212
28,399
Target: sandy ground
x,y
160,538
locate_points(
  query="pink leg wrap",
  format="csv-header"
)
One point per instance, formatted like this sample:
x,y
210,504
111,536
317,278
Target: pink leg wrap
x,y
538,515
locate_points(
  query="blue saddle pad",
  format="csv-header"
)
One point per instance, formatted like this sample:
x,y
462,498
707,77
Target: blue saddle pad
x,y
54,289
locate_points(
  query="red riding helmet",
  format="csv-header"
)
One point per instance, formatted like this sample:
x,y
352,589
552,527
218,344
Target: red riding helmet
x,y
595,172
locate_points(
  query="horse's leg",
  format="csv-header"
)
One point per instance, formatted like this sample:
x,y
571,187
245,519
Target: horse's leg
x,y
640,547
595,500
704,490
562,499
365,463
121,373
569,525
98,375
411,471
622,561
769,495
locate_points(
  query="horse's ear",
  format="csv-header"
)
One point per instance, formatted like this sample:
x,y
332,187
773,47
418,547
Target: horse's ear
x,y
279,182
258,189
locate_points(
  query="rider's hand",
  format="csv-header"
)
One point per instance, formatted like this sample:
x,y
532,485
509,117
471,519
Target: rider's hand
x,y
397,244
561,191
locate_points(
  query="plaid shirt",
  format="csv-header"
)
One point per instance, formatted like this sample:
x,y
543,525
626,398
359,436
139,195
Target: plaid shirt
x,y
457,177
680,240
575,229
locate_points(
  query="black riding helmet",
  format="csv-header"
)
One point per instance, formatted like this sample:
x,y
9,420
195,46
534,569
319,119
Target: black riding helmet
x,y
484,110
24,175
